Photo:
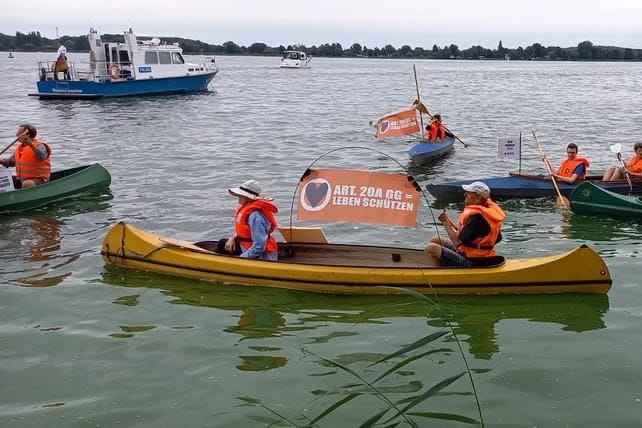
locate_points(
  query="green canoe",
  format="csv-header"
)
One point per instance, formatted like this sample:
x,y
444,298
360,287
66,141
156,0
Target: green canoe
x,y
63,184
587,198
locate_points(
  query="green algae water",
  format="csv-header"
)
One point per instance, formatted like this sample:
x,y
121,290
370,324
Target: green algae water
x,y
82,344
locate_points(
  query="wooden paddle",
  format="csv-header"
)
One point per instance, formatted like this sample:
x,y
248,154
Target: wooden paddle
x,y
13,142
561,199
617,148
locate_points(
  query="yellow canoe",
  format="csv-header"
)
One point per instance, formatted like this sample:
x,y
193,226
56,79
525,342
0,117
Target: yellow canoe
x,y
357,269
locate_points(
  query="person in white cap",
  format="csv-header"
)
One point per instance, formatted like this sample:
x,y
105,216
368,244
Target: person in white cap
x,y
253,225
471,242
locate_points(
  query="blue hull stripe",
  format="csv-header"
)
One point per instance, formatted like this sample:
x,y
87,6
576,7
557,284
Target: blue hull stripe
x,y
122,88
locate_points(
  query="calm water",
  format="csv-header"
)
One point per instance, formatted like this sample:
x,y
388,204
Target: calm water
x,y
86,345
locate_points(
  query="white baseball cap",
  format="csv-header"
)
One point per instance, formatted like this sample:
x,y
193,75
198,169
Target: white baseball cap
x,y
477,187
250,189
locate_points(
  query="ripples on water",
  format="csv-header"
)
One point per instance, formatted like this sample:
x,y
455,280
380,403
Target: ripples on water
x,y
172,159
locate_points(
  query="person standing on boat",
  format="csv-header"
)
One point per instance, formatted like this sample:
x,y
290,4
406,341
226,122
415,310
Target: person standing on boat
x,y
32,158
61,62
253,225
573,168
633,167
471,242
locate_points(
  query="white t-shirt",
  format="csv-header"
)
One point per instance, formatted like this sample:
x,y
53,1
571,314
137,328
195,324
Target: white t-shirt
x,y
62,50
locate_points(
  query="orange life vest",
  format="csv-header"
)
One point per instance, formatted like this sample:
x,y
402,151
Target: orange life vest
x,y
567,167
61,64
242,226
485,245
28,166
635,164
436,131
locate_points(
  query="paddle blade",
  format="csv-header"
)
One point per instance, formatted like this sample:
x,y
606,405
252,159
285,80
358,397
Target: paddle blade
x,y
616,148
563,201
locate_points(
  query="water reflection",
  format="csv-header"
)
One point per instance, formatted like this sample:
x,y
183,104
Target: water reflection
x,y
476,317
35,240
591,228
266,312
258,323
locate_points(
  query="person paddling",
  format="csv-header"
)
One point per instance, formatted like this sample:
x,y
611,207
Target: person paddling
x,y
32,159
253,225
436,129
573,168
471,242
633,167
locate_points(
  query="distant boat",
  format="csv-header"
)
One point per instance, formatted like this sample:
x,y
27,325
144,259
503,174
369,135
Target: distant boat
x,y
124,69
11,54
295,59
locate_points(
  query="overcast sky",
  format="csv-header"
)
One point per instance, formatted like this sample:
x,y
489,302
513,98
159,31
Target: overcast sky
x,y
368,22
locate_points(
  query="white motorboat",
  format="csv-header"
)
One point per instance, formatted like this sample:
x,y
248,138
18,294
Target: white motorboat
x,y
295,59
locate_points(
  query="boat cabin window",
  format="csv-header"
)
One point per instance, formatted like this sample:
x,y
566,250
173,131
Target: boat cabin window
x,y
177,58
123,57
151,58
164,58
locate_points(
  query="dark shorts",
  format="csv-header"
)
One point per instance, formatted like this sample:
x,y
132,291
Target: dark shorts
x,y
451,257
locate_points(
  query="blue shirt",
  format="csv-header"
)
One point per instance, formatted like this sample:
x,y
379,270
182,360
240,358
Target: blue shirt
x,y
579,170
260,227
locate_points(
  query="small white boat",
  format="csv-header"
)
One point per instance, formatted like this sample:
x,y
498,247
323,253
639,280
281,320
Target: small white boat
x,y
295,59
10,54
135,67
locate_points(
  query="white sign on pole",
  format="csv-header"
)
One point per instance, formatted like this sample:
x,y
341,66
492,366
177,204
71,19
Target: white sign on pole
x,y
508,148
6,182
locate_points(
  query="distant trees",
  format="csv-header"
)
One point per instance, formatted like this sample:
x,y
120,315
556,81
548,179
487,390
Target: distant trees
x,y
584,51
257,48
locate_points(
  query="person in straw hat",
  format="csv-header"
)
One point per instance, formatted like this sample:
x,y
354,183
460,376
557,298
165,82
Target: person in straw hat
x,y
471,242
253,225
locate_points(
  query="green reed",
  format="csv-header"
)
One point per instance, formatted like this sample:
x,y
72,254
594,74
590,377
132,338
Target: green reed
x,y
392,412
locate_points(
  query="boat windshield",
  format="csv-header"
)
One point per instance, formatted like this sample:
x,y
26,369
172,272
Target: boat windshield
x,y
293,55
177,58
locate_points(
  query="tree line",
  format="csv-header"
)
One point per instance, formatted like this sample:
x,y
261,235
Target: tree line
x,y
584,51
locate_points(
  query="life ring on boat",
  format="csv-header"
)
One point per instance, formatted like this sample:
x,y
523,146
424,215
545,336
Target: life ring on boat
x,y
114,71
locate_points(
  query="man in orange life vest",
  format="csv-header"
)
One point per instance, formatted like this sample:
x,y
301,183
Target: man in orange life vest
x,y
473,241
437,130
32,158
633,167
573,168
253,225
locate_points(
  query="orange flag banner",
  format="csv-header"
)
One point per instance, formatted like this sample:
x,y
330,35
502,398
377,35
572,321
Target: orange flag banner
x,y
358,196
397,124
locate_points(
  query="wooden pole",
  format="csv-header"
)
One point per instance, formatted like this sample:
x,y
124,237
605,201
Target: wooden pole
x,y
421,118
561,198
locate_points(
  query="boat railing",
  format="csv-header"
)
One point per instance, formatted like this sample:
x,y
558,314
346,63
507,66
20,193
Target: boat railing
x,y
94,71
104,71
